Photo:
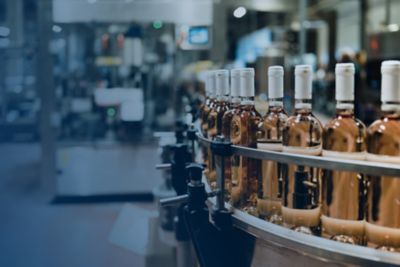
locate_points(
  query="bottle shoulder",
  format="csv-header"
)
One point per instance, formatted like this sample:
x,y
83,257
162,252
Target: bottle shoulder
x,y
303,130
344,134
383,125
271,119
272,115
304,119
249,113
384,137
345,123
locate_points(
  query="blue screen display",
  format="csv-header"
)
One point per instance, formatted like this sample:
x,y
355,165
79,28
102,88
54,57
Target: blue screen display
x,y
198,36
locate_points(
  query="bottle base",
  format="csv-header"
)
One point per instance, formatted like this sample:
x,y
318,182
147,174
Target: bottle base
x,y
346,239
346,231
382,236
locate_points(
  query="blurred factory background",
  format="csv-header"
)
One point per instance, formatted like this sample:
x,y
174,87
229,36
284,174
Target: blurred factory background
x,y
85,84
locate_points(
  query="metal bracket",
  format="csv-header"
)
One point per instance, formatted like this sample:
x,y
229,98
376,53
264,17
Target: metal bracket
x,y
222,150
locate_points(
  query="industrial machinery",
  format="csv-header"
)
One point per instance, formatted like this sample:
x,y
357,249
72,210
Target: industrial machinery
x,y
230,237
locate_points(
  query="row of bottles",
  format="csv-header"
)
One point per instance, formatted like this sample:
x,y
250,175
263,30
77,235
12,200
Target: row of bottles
x,y
340,205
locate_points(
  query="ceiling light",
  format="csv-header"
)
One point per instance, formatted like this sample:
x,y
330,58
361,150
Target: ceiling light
x,y
92,1
393,27
239,12
56,28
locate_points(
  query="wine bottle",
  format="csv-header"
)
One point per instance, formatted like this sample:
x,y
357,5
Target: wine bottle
x,y
343,193
383,220
302,134
243,132
215,116
234,104
270,138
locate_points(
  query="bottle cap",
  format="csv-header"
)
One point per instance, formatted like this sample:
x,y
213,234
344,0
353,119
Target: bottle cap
x,y
247,82
211,83
275,82
390,70
235,82
344,81
303,82
222,82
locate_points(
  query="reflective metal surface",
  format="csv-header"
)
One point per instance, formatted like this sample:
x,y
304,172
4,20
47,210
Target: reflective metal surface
x,y
372,168
322,251
278,245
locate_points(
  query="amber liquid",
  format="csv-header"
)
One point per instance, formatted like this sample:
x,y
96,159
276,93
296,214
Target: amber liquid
x,y
204,112
226,133
214,129
245,171
302,134
343,193
270,138
383,218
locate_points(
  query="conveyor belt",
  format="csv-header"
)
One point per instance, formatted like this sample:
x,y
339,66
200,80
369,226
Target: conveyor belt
x,y
281,242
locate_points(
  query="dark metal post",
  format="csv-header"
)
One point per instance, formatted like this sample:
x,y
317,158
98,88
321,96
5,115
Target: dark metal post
x,y
363,23
45,85
220,149
303,30
191,136
221,183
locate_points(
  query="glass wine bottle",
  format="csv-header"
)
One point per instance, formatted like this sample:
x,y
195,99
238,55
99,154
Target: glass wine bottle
x,y
383,220
208,103
302,134
245,178
234,106
211,88
270,138
343,193
205,111
215,116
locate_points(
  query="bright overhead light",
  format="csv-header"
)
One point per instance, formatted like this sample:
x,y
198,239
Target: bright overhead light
x,y
239,12
92,1
56,28
393,27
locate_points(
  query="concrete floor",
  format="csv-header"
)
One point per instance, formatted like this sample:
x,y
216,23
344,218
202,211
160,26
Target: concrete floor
x,y
35,233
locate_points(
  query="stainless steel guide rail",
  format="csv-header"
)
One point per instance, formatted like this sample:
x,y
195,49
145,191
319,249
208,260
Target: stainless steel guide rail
x,y
365,167
309,249
317,248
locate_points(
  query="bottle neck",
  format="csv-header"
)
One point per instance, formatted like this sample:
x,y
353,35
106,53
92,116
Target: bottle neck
x,y
275,102
344,104
247,101
391,110
303,104
235,101
390,106
345,108
222,98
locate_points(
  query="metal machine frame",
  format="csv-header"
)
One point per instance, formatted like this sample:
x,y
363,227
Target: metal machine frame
x,y
312,248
